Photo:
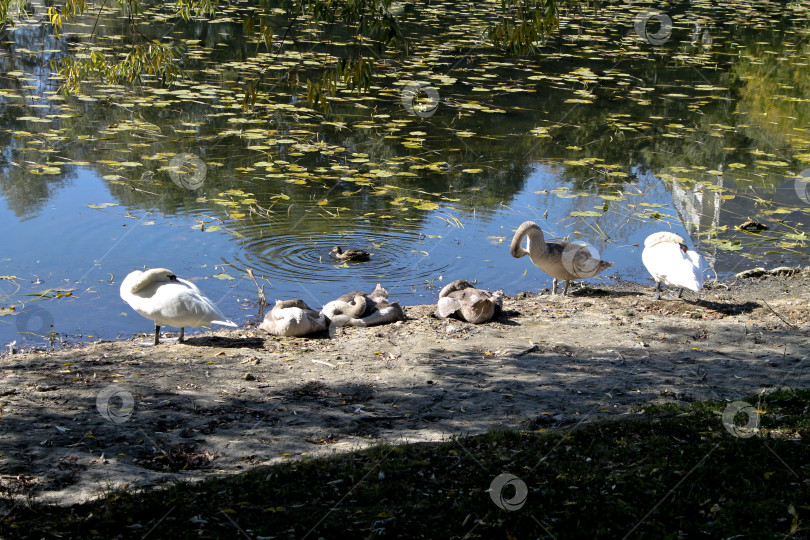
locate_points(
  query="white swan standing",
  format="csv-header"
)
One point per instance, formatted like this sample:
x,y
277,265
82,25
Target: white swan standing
x,y
560,260
669,262
162,297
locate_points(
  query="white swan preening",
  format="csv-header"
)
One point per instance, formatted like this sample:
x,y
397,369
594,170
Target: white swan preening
x,y
667,260
560,259
460,299
162,297
293,318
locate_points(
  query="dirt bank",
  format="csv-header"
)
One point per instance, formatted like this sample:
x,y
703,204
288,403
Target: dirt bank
x,y
222,403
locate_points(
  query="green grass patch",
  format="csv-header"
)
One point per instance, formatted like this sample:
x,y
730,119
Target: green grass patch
x,y
670,472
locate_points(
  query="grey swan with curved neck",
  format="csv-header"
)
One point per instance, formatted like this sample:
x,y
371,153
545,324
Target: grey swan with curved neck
x,y
463,301
357,308
560,259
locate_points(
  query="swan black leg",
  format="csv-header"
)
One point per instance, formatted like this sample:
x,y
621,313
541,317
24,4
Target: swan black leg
x,y
157,334
680,293
658,290
182,332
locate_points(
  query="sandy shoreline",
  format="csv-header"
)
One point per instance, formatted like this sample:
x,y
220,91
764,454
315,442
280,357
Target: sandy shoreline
x,y
223,403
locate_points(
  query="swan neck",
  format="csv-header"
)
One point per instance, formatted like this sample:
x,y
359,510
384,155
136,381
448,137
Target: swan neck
x,y
528,229
536,241
150,276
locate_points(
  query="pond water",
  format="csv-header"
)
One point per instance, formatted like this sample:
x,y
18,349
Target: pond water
x,y
603,134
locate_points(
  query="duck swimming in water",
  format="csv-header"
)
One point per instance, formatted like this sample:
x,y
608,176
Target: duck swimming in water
x,y
354,255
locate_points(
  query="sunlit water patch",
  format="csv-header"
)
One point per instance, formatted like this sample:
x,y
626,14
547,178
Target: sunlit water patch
x,y
299,262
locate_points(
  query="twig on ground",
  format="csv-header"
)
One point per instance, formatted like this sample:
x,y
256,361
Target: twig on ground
x,y
531,349
775,313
